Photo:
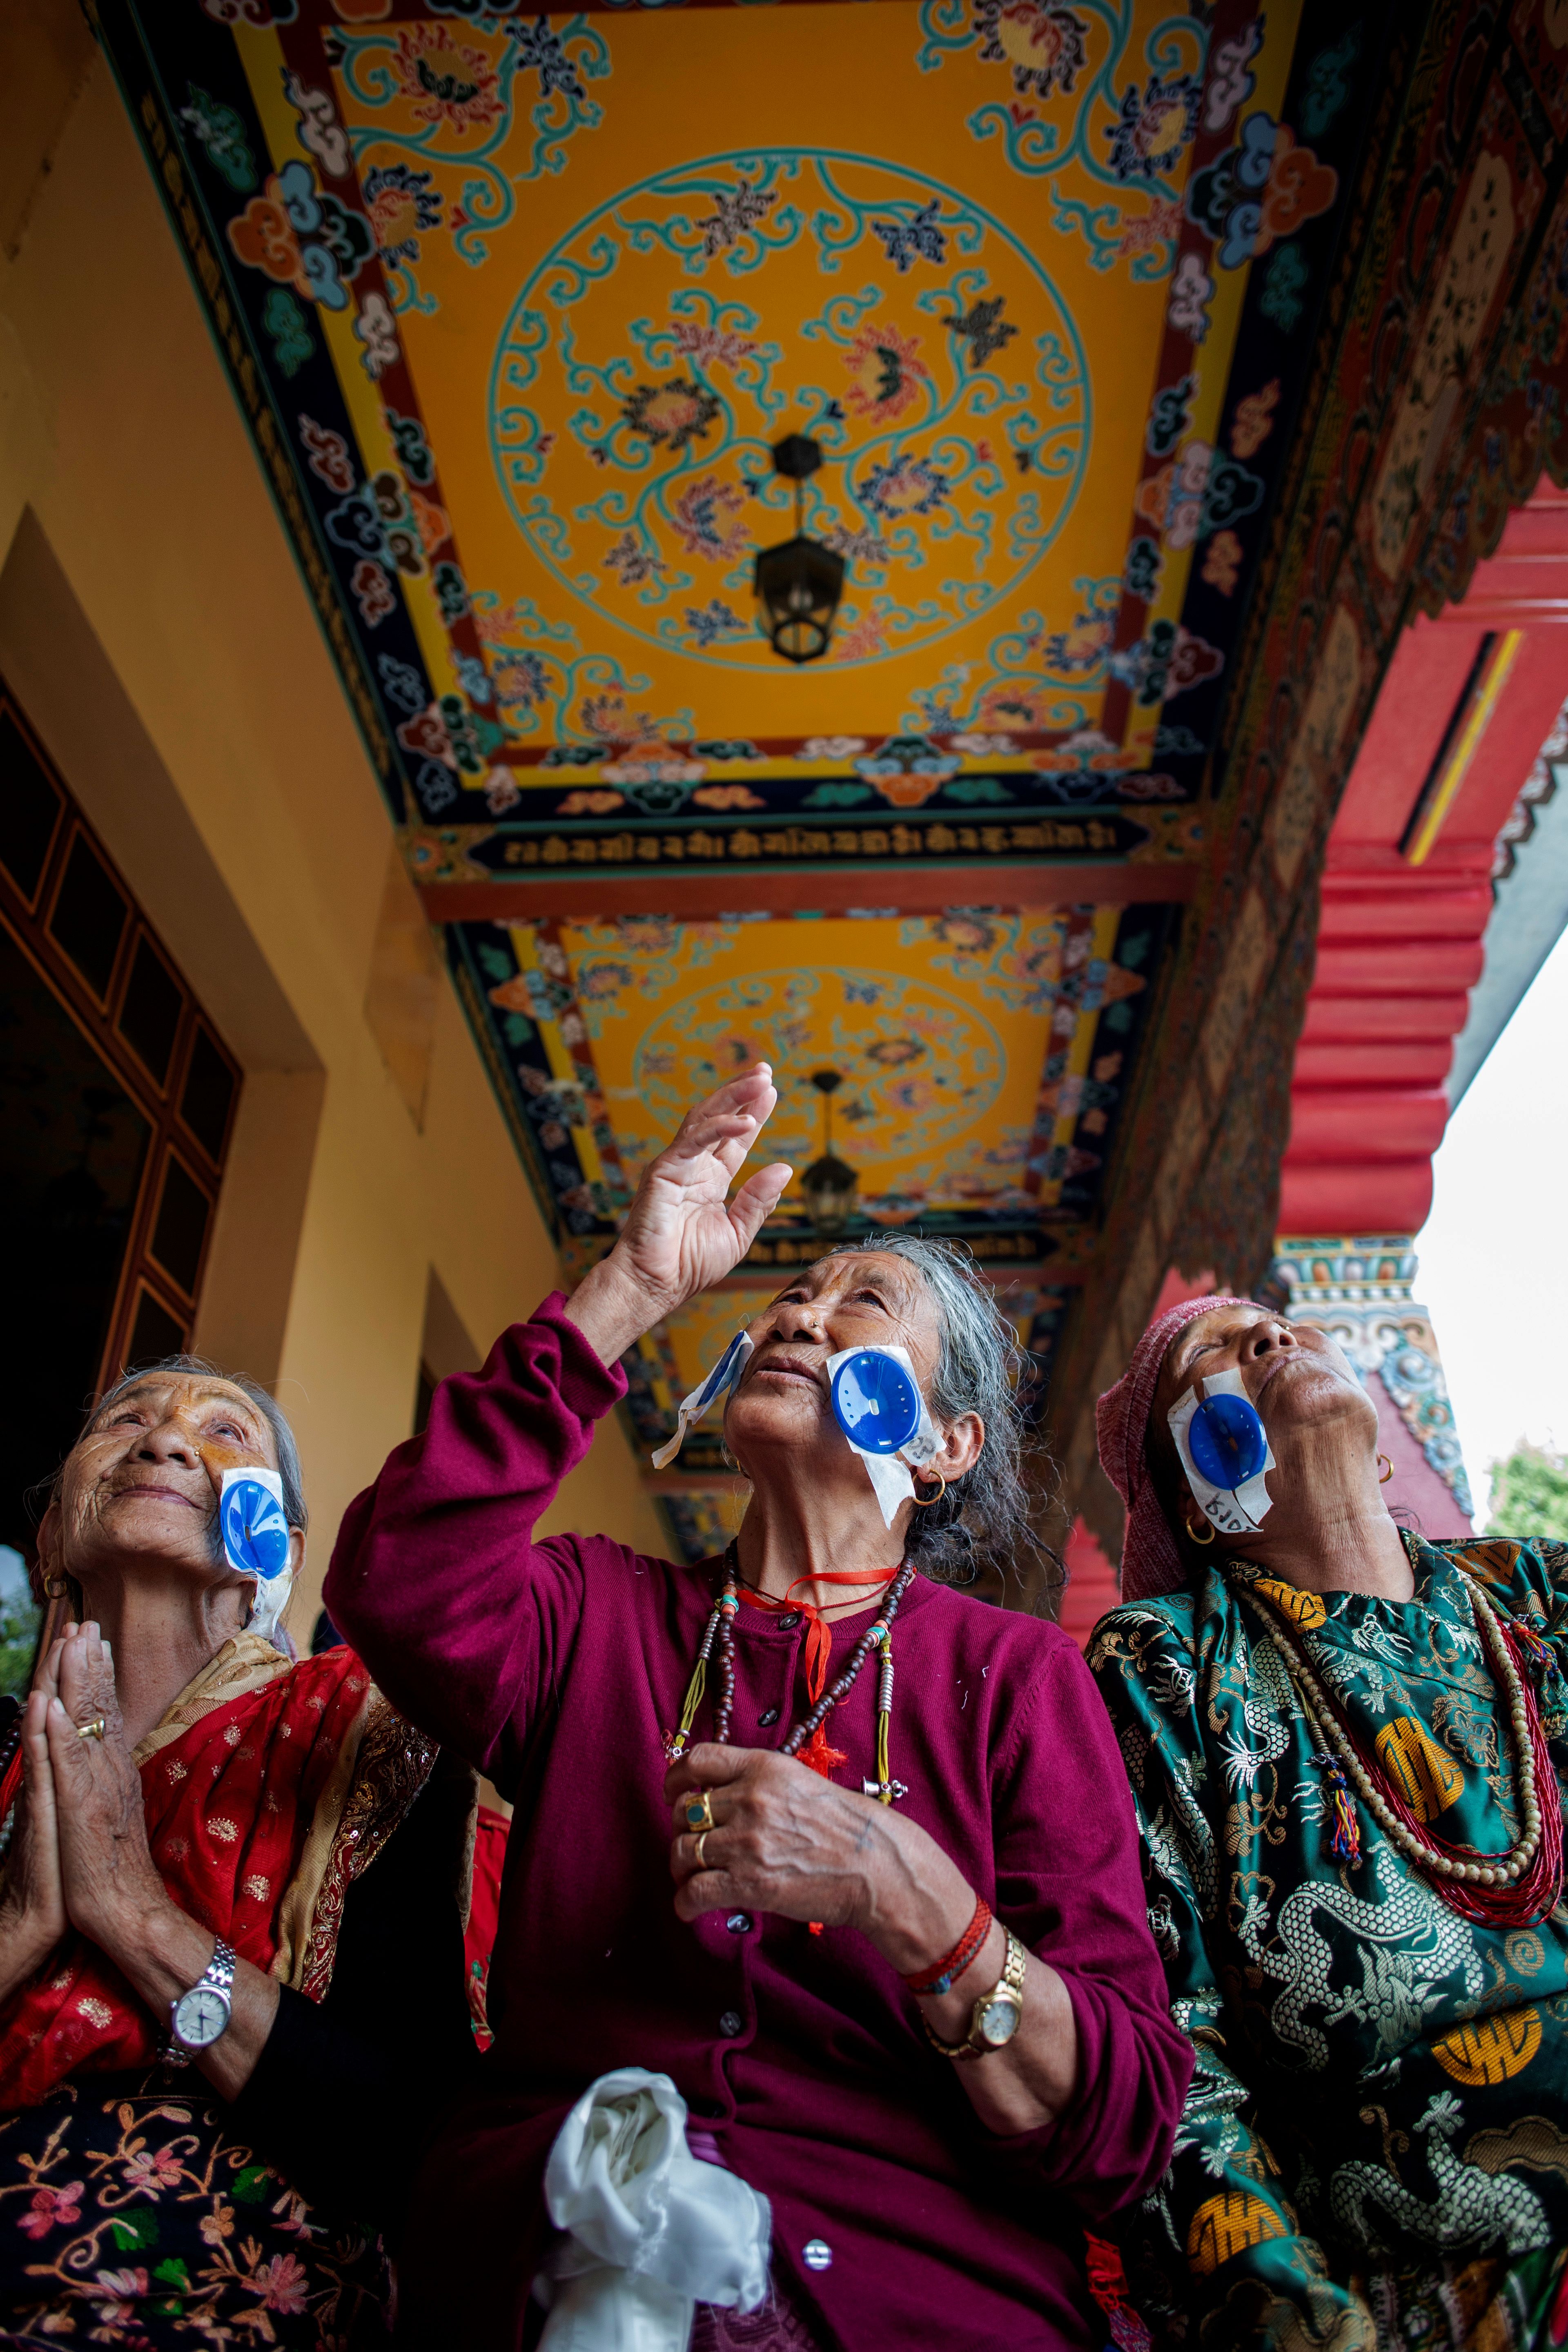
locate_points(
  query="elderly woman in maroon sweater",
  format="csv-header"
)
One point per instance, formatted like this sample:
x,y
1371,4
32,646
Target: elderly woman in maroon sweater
x,y
934,2101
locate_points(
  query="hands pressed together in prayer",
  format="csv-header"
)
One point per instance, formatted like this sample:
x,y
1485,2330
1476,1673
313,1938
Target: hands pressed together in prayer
x,y
80,1859
73,1860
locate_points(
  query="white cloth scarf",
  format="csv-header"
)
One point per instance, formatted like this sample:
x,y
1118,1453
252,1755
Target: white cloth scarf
x,y
651,2230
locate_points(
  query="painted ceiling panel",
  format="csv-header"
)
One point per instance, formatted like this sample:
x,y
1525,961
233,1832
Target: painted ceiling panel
x,y
984,1054
620,255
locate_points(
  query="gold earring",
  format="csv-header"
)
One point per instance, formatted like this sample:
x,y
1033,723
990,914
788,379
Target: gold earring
x,y
1388,1472
924,1502
56,1586
1194,1537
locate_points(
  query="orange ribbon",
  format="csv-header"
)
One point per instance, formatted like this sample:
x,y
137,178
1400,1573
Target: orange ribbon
x,y
820,1632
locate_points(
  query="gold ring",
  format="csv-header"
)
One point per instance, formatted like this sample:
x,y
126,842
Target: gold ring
x,y
700,1812
93,1730
698,1844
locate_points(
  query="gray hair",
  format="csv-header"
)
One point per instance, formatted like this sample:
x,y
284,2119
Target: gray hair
x,y
984,1522
283,1442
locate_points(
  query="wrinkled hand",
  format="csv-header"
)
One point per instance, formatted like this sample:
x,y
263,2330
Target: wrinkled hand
x,y
33,1910
783,1840
108,1880
683,1233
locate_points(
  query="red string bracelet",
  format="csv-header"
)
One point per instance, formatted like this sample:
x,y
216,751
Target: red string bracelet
x,y
941,1976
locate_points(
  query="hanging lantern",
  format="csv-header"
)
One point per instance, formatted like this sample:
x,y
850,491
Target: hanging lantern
x,y
798,584
829,1182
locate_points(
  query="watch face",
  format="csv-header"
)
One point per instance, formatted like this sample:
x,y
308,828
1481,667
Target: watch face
x,y
200,2017
999,2021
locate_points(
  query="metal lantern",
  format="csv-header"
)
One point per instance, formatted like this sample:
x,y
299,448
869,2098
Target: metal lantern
x,y
798,584
829,1182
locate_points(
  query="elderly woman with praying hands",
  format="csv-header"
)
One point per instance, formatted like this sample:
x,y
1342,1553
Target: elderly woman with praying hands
x,y
826,2010
1347,1746
231,1950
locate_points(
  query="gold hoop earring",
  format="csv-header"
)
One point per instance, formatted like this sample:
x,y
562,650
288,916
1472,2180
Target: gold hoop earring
x,y
1202,1542
924,1502
56,1586
1388,1472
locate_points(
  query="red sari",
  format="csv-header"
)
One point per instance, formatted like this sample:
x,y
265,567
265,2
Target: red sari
x,y
268,1788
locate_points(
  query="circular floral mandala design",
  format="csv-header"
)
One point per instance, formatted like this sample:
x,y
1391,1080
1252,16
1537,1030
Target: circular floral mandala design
x,y
919,1064
685,325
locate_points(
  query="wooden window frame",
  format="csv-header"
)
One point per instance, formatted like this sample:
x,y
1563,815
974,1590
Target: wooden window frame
x,y
27,921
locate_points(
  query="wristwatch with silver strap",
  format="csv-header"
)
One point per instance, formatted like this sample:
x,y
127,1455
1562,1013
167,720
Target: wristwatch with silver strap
x,y
200,2017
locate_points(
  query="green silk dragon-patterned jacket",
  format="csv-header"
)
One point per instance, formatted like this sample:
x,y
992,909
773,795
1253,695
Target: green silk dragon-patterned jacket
x,y
1374,2148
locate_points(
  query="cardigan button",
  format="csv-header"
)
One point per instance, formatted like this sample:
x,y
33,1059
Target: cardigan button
x,y
816,2255
738,1923
731,2023
788,1622
769,1717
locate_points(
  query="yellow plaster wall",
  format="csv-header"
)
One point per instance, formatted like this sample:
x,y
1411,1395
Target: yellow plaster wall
x,y
129,459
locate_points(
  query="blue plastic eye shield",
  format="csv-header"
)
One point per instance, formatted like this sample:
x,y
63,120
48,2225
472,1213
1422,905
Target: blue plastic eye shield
x,y
1226,1442
875,1401
255,1528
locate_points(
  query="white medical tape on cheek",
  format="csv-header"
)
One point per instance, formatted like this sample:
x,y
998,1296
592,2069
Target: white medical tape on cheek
x,y
856,1407
254,1526
724,1377
1238,1511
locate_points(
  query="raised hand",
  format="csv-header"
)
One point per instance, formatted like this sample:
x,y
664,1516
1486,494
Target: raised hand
x,y
684,1232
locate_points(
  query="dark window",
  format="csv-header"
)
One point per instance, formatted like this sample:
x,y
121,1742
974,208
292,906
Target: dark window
x,y
209,1091
150,1017
89,916
154,1334
182,1226
72,1144
31,806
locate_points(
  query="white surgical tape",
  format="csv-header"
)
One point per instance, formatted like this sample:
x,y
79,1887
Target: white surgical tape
x,y
890,1472
721,1379
651,2230
1240,1513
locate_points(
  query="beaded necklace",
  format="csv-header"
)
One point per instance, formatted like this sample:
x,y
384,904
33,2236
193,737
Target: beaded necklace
x,y
1504,1890
719,1631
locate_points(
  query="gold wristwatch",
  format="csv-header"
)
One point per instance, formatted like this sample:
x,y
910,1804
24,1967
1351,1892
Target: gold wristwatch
x,y
996,2015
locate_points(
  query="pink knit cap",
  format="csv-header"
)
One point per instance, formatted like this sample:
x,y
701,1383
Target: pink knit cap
x,y
1151,1562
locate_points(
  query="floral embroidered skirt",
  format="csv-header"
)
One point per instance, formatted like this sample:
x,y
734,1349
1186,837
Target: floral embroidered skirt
x,y
130,2215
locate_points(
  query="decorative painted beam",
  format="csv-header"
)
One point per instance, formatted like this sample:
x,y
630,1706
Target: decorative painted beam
x,y
893,889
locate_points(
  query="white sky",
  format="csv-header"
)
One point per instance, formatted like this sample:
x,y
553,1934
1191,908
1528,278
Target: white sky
x,y
1494,1270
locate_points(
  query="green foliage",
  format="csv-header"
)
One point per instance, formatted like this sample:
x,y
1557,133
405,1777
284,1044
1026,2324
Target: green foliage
x,y
1530,1494
19,1622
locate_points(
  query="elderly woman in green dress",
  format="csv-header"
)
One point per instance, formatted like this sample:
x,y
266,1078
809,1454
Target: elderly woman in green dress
x,y
1345,1744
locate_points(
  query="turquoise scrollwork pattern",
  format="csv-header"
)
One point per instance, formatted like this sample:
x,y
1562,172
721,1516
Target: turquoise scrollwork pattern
x,y
1085,92
946,384
453,97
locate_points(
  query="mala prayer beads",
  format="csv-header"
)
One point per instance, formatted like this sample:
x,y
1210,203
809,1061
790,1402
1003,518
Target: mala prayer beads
x,y
806,1740
1501,1890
